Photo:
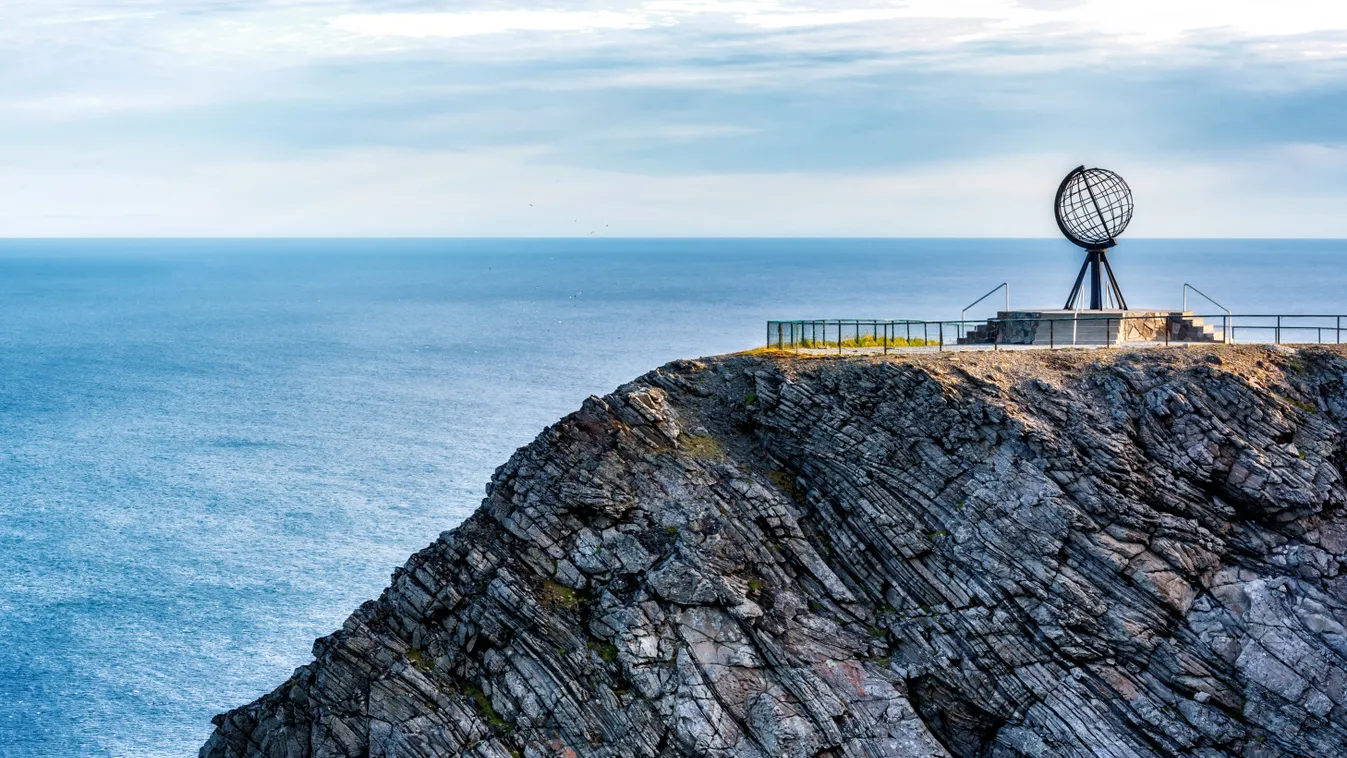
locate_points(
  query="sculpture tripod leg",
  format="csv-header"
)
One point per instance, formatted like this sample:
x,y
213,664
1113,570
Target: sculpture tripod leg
x,y
1113,282
1096,264
1075,291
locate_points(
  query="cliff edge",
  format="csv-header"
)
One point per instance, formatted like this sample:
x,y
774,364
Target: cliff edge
x,y
1073,553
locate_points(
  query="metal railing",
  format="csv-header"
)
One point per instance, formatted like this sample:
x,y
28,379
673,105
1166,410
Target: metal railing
x,y
843,334
1289,329
1080,329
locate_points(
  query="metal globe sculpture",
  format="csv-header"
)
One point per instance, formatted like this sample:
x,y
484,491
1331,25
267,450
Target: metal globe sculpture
x,y
1093,207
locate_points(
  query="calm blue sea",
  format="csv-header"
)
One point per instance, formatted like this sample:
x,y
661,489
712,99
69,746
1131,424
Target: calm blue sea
x,y
210,452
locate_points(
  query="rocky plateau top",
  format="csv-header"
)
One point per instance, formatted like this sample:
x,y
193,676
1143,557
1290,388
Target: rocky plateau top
x,y
1071,553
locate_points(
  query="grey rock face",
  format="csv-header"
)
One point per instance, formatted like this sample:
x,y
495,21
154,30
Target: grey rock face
x,y
1018,554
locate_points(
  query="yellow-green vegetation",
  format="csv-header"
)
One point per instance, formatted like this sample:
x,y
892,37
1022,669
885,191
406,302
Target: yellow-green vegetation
x,y
864,340
556,596
606,651
415,658
484,706
1302,405
783,480
701,446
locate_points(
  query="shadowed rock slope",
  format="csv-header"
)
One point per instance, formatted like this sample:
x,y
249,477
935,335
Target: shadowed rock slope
x,y
1100,553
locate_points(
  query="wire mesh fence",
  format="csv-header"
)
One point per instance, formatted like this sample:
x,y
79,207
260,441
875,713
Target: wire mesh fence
x,y
1083,329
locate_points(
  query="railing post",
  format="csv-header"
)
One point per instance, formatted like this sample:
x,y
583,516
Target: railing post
x,y
1278,338
1338,339
779,340
886,338
1052,338
942,336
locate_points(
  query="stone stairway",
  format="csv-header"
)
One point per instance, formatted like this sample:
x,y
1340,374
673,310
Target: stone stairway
x,y
1192,329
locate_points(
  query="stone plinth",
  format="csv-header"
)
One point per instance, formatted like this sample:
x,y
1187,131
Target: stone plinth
x,y
1107,327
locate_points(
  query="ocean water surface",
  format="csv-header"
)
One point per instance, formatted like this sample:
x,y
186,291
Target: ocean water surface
x,y
211,452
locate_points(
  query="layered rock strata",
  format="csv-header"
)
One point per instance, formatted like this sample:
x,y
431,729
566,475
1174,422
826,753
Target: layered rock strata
x,y
1076,553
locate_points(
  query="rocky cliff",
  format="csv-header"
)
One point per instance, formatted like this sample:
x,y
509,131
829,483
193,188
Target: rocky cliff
x,y
1077,553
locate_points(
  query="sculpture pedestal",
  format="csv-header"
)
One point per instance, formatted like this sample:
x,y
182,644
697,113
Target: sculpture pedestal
x,y
1062,328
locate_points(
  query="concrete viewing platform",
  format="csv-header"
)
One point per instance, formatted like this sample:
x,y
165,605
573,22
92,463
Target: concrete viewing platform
x,y
1058,327
1055,328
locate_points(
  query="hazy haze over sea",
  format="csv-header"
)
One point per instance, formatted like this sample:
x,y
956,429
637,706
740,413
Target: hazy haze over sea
x,y
214,451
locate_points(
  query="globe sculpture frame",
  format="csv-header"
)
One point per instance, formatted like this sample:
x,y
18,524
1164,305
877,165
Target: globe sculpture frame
x,y
1093,206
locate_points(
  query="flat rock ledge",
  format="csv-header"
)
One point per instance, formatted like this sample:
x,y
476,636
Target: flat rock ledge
x,y
1073,553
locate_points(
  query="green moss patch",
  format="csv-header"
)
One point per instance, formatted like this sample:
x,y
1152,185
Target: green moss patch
x,y
559,596
701,447
605,651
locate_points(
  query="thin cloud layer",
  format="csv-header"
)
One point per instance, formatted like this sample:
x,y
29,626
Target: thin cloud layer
x,y
1143,23
425,25
184,116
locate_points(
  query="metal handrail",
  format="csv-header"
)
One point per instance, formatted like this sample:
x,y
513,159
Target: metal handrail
x,y
1225,324
989,294
964,313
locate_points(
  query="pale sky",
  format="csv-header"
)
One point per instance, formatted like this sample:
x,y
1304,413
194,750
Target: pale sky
x,y
666,117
